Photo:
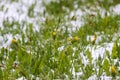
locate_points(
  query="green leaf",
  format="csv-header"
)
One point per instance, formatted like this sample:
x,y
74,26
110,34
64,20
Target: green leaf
x,y
114,51
31,10
118,50
1,74
62,55
107,54
88,71
89,55
100,71
106,66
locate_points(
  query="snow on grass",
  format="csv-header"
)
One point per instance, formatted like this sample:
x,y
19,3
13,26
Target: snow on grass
x,y
116,9
19,11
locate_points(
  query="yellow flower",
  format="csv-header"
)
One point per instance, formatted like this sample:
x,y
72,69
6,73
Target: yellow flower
x,y
95,36
54,33
112,69
76,38
94,39
14,41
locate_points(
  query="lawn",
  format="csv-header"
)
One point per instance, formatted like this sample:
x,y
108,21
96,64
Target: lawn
x,y
59,40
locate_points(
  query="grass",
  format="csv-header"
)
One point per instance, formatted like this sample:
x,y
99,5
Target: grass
x,y
54,52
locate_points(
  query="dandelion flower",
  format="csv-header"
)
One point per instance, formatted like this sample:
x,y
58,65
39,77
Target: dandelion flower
x,y
76,38
112,69
14,41
94,39
54,35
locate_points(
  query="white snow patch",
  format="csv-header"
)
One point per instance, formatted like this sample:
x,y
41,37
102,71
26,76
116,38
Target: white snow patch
x,y
21,78
100,50
61,48
116,9
94,77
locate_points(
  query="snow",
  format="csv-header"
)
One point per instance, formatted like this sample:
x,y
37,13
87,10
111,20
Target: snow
x,y
100,51
21,78
116,9
18,11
